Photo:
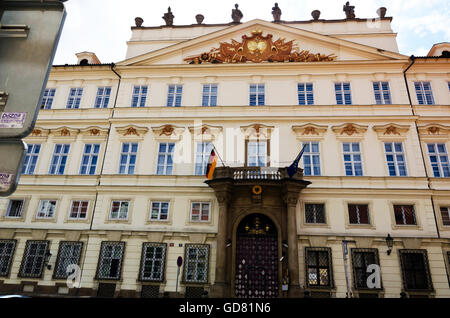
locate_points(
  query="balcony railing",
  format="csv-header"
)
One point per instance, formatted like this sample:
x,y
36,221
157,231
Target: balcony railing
x,y
254,173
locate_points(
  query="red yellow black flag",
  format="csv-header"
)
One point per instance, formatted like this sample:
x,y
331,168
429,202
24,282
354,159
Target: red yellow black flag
x,y
211,165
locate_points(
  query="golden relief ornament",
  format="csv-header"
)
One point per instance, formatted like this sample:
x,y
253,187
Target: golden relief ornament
x,y
258,48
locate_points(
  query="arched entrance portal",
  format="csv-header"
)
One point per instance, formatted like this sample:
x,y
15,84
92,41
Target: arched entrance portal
x,y
256,258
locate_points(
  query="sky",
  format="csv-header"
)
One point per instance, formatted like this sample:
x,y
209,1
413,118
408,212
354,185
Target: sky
x,y
104,26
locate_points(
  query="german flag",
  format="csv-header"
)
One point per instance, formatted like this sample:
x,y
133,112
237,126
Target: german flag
x,y
211,165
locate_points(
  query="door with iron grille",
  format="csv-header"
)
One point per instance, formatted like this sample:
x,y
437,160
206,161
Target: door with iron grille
x,y
256,258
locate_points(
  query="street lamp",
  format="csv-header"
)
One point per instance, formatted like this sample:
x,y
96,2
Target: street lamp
x,y
389,243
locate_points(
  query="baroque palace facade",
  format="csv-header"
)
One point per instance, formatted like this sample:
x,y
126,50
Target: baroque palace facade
x,y
114,179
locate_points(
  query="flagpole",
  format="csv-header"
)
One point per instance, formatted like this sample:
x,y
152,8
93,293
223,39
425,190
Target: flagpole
x,y
218,155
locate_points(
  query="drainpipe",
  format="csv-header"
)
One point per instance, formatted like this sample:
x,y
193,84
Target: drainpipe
x,y
413,60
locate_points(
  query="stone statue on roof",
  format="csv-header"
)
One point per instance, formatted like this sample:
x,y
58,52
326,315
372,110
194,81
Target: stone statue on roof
x,y
168,17
236,14
276,12
349,11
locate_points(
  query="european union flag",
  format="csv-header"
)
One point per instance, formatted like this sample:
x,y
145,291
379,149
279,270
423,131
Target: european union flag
x,y
293,168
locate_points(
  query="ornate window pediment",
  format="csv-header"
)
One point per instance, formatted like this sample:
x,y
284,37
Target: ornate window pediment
x,y
434,132
205,132
310,131
94,132
391,131
39,133
65,132
257,131
349,131
131,132
168,131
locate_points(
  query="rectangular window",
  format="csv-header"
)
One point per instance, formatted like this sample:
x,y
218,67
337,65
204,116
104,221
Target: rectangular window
x,y
47,99
200,211
59,159
152,262
89,159
33,259
257,153
209,96
352,159
79,210
415,270
7,248
404,215
305,94
74,99
102,98
31,158
160,211
196,263
165,158
395,158
318,267
445,214
128,157
257,94
119,210
46,209
174,95
69,253
358,214
202,157
343,93
424,93
110,260
15,208
315,213
382,93
439,160
361,259
139,96
311,159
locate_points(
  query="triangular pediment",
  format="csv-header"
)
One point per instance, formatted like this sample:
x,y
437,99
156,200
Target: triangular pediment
x,y
303,41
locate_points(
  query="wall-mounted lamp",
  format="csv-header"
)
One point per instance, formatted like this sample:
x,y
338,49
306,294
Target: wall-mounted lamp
x,y
389,243
47,259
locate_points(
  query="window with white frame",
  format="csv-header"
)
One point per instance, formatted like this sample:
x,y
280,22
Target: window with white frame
x,y
15,208
33,259
89,159
165,158
311,159
196,263
160,211
395,158
110,260
46,209
59,159
69,253
102,98
445,215
153,262
79,210
209,96
74,99
256,153
382,92
139,96
47,99
119,210
305,94
437,153
128,157
174,95
257,94
352,159
203,151
343,93
7,248
424,93
31,158
200,211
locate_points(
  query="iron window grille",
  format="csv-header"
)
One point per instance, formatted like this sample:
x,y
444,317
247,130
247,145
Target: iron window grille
x,y
382,93
174,95
194,292
209,96
424,93
110,260
106,290
59,159
7,248
200,211
358,214
150,291
445,214
79,210
128,158
74,97
15,208
404,215
119,210
102,98
196,266
257,95
69,253
318,267
202,157
31,158
33,260
361,259
160,211
395,158
153,262
89,159
311,159
47,99
315,213
46,209
439,160
343,93
139,96
305,94
415,270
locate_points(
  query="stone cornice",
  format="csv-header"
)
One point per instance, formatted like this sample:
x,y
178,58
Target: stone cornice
x,y
434,132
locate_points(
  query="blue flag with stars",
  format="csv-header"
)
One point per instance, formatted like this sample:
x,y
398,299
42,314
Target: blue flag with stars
x,y
293,168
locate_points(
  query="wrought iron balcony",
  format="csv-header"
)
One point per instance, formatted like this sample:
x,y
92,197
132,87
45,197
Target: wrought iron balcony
x,y
255,173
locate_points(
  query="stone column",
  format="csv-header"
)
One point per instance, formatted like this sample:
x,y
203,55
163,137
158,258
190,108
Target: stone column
x,y
294,290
